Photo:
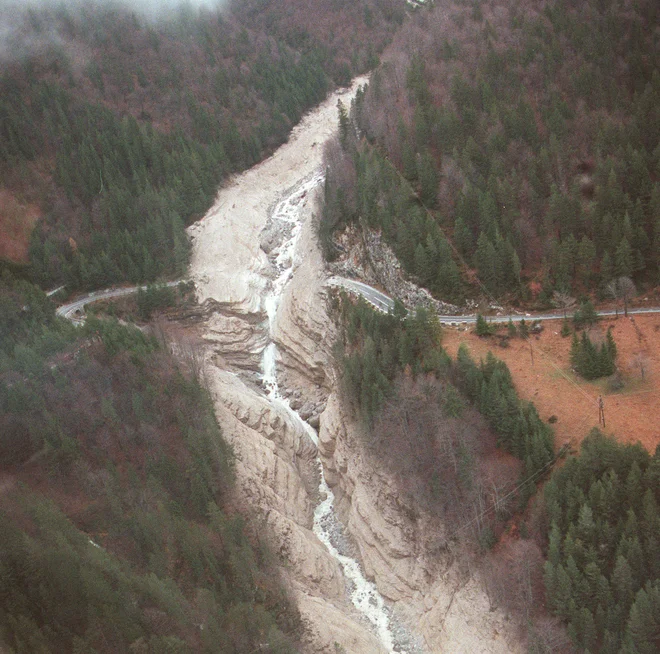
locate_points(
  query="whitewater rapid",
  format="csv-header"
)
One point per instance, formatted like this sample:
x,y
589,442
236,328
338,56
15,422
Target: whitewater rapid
x,y
364,594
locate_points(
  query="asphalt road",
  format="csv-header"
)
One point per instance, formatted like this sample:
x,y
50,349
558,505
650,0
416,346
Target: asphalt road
x,y
374,297
384,303
74,311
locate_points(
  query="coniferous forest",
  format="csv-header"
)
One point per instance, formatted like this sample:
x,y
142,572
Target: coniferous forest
x,y
503,149
118,128
603,570
513,142
511,151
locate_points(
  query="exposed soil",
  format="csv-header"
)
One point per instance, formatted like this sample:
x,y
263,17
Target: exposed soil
x,y
630,413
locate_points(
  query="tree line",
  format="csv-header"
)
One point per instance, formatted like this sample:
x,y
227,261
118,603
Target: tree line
x,y
518,425
377,347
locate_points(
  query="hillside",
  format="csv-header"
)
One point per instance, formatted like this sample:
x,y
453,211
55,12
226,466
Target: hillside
x,y
116,130
120,528
270,465
507,150
508,154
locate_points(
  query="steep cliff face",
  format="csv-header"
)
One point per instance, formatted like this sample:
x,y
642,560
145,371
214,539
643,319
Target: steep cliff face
x,y
432,591
277,481
276,465
235,265
436,596
303,331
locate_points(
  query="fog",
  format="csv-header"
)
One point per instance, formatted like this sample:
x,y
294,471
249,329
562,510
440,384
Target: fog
x,y
17,40
151,8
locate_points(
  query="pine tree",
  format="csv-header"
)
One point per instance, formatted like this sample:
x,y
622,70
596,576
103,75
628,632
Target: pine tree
x,y
586,257
622,582
643,627
463,238
486,262
511,329
624,261
429,178
562,599
606,268
589,635
576,353
422,266
482,326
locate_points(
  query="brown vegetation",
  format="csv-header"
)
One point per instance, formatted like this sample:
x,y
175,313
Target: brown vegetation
x,y
630,412
16,223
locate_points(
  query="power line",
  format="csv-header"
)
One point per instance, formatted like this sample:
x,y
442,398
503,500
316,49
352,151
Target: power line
x,y
498,502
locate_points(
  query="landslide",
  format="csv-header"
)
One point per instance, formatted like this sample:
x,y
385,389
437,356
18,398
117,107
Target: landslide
x,y
403,484
276,467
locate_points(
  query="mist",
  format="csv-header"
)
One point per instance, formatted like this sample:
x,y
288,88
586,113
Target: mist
x,y
150,8
18,40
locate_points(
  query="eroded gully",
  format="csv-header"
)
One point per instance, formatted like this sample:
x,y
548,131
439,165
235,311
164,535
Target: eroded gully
x,y
363,593
231,270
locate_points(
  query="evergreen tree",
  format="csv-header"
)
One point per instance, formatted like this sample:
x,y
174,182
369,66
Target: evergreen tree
x,y
486,263
511,329
482,327
624,262
429,178
463,238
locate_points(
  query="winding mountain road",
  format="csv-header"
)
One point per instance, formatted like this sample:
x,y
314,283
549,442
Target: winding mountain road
x,y
73,311
384,303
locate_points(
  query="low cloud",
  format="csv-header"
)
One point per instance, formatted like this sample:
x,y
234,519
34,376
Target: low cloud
x,y
18,39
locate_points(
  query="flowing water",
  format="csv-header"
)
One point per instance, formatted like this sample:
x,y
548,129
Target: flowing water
x,y
327,528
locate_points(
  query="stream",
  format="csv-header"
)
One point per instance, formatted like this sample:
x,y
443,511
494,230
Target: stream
x,y
364,595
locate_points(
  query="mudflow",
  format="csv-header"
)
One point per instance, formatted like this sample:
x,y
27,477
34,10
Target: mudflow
x,y
437,605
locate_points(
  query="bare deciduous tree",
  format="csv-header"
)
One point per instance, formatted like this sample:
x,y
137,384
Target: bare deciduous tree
x,y
641,362
563,301
514,577
549,636
621,288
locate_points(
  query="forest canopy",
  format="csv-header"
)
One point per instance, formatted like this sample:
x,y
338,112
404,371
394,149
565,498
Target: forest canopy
x,y
518,142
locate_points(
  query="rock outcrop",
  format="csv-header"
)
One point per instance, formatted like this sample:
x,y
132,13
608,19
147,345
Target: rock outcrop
x,y
432,593
303,332
276,466
277,482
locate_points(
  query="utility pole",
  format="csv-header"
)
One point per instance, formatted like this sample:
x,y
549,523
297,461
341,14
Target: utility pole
x,y
601,411
531,350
